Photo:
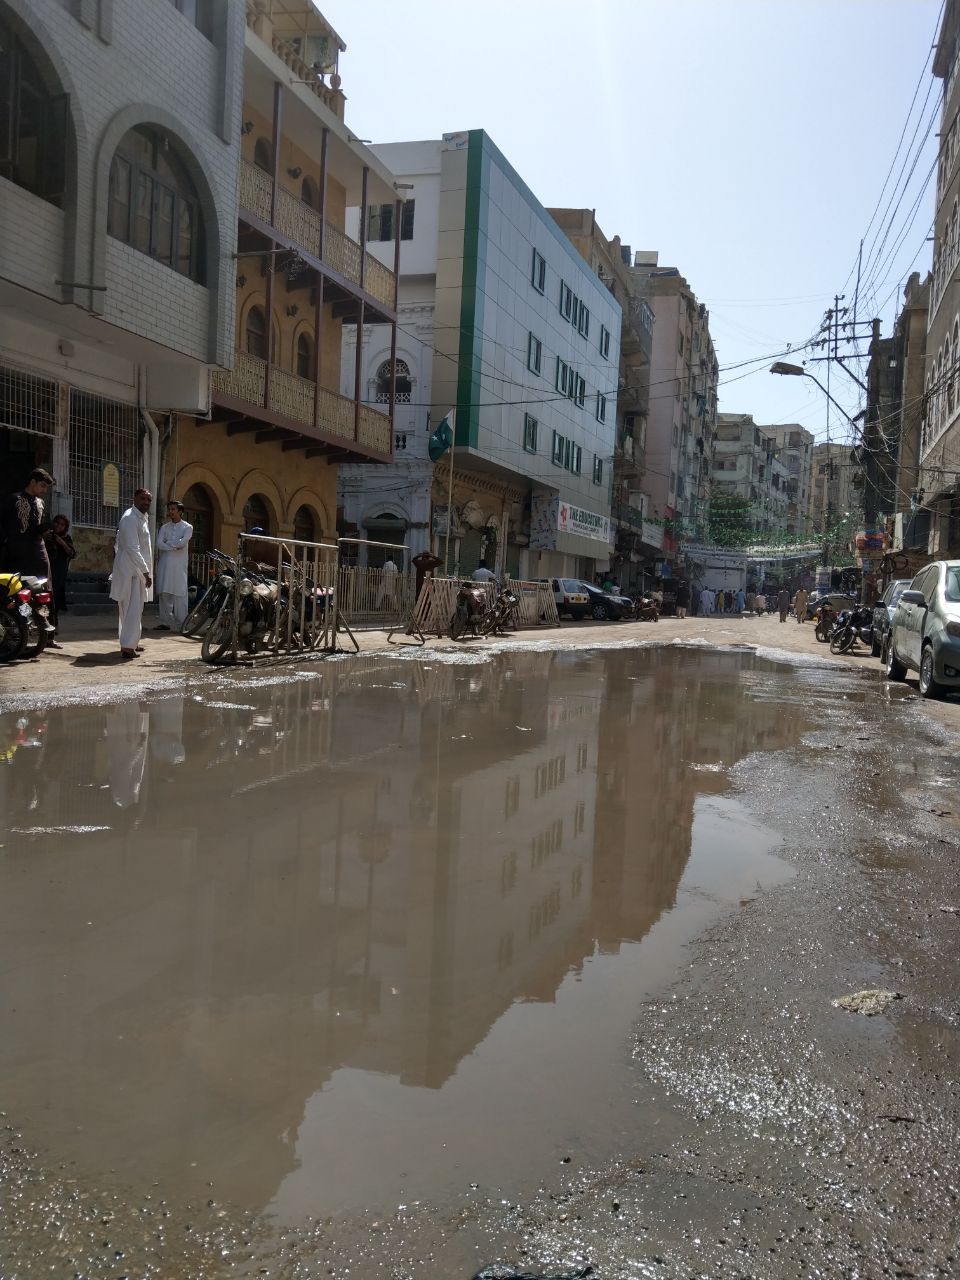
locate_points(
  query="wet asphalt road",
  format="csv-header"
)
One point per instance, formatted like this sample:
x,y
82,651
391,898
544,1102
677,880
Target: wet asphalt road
x,y
769,1133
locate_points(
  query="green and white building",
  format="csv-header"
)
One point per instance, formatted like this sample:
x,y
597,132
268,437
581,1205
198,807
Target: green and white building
x,y
525,348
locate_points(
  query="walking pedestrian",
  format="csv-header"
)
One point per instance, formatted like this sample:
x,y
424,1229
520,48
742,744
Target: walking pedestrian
x,y
705,601
131,583
173,543
800,604
482,574
388,583
720,601
783,603
683,598
740,600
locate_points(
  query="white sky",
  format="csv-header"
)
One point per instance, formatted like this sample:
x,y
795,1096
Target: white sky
x,y
746,140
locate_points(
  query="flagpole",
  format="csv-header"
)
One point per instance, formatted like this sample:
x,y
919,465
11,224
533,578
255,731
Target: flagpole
x,y
453,449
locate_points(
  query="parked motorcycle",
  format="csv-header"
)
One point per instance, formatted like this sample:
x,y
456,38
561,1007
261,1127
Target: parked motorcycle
x,y
203,613
25,626
257,614
851,625
15,615
481,613
824,617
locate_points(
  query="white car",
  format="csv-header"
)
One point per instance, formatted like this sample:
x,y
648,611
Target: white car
x,y
925,631
570,597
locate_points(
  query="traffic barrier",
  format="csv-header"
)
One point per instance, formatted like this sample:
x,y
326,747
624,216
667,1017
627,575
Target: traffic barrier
x,y
438,599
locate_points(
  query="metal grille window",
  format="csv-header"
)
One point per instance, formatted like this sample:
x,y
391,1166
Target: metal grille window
x,y
27,403
404,386
101,432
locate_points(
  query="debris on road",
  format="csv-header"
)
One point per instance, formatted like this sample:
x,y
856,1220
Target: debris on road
x,y
874,1000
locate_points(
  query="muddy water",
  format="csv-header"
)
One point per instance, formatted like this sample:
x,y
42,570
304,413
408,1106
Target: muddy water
x,y
370,937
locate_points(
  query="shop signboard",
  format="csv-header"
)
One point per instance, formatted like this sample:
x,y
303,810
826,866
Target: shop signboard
x,y
583,523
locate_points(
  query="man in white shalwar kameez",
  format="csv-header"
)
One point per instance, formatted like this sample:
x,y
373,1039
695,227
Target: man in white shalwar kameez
x,y
173,540
131,584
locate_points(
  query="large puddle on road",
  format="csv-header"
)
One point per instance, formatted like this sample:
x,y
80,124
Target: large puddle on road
x,y
369,937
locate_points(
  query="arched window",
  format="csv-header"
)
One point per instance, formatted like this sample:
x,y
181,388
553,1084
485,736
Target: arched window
x,y
33,124
304,525
256,514
305,355
948,368
255,337
153,203
198,511
403,384
263,156
310,193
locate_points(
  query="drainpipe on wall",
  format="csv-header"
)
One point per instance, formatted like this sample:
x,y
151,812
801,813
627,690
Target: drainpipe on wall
x,y
151,464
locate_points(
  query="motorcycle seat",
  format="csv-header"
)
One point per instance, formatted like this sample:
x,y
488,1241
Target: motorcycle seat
x,y
35,584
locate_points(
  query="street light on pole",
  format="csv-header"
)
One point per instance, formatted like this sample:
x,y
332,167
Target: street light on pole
x,y
797,371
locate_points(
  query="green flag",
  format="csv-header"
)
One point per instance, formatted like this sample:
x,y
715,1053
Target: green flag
x,y
441,439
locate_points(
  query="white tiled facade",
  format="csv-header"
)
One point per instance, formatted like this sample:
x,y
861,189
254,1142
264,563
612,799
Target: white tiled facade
x,y
78,309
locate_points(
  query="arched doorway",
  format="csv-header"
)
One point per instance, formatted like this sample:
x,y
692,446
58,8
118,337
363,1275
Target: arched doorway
x,y
256,514
198,510
385,527
304,525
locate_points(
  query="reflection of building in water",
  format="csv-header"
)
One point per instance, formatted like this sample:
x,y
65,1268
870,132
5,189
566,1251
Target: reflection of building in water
x,y
360,870
649,779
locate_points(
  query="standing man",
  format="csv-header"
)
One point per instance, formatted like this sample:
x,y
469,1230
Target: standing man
x,y
482,574
424,564
23,523
683,598
740,600
783,603
800,604
130,582
705,601
173,539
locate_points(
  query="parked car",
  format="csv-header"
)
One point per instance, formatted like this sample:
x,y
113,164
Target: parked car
x,y
883,612
925,631
570,597
607,604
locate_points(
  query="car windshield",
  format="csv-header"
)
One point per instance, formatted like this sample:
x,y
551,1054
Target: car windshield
x,y
897,590
569,585
951,586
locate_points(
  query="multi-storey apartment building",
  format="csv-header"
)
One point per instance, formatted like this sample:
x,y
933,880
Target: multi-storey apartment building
x,y
940,438
119,149
747,465
683,409
795,452
638,541
281,422
835,498
526,343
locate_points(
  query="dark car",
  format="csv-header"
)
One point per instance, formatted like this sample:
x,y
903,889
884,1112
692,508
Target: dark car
x,y
607,604
883,613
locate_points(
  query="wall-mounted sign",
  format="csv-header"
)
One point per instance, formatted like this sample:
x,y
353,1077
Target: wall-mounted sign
x,y
652,534
110,484
586,524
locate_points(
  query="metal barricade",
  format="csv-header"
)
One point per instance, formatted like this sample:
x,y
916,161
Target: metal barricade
x,y
376,599
287,607
438,599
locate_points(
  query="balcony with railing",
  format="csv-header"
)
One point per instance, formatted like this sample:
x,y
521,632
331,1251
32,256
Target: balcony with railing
x,y
298,223
283,403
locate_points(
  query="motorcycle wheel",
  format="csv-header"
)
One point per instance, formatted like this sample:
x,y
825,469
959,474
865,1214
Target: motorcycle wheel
x,y
842,641
201,615
216,640
37,640
458,623
874,645
13,637
489,623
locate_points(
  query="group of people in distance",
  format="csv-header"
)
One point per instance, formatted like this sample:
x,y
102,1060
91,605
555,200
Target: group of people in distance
x,y
34,544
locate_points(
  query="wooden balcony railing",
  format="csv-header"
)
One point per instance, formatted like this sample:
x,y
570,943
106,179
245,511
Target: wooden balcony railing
x,y
302,403
296,221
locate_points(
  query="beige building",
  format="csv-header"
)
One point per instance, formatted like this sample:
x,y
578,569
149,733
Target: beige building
x,y
795,454
683,412
834,495
940,437
747,464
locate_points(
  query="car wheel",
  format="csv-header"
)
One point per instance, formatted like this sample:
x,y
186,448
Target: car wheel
x,y
874,645
895,668
929,686
600,612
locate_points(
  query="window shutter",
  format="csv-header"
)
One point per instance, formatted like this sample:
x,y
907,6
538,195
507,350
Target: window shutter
x,y
53,147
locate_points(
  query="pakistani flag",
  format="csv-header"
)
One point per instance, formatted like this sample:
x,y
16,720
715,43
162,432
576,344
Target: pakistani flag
x,y
442,439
